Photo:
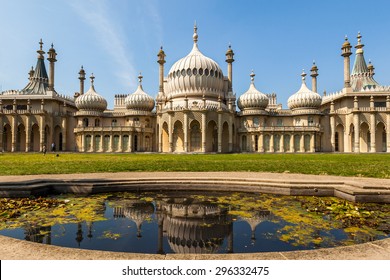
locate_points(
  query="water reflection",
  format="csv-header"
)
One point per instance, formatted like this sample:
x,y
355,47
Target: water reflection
x,y
185,223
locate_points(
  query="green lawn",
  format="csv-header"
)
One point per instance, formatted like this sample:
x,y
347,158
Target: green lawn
x,y
366,165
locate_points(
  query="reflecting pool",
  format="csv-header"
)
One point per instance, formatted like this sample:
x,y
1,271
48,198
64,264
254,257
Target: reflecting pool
x,y
193,222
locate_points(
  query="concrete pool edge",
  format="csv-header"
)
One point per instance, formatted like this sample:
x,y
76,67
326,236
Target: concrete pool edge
x,y
11,248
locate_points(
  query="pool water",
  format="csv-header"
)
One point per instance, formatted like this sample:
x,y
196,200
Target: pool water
x,y
190,222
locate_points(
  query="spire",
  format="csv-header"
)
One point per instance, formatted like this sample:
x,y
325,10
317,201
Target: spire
x,y
92,77
360,76
195,36
359,46
140,80
38,82
252,75
40,51
303,76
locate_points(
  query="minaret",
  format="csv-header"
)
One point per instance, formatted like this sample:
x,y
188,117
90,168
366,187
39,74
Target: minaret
x,y
230,60
31,73
51,58
346,53
161,61
82,78
371,68
314,74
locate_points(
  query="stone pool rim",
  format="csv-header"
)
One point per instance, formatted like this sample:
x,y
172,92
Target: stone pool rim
x,y
350,188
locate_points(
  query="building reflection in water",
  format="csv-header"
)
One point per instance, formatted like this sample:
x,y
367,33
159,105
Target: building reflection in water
x,y
191,226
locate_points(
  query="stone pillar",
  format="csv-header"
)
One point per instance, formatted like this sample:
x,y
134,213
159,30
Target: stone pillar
x,y
131,142
28,132
252,146
204,131
185,128
120,148
261,142
372,126
282,143
93,143
1,126
388,124
292,149
271,143
101,142
302,142
230,134
14,128
111,142
170,133
312,143
332,122
356,124
332,133
219,132
64,133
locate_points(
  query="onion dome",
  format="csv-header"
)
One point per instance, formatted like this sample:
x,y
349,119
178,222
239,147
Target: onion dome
x,y
139,100
91,100
195,75
252,98
304,97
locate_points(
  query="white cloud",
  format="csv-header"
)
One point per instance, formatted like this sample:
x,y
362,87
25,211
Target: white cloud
x,y
110,37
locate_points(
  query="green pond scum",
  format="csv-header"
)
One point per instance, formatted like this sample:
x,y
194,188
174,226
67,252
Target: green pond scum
x,y
304,220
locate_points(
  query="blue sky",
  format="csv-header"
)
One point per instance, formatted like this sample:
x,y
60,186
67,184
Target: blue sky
x,y
117,39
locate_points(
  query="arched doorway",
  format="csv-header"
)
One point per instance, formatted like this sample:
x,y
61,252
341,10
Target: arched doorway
x,y
165,138
212,137
21,138
195,137
98,140
276,143
380,138
267,143
125,143
286,144
178,137
35,138
365,137
297,143
58,137
339,142
306,143
7,138
135,143
244,143
225,138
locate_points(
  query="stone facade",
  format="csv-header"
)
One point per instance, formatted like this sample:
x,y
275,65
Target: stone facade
x,y
195,112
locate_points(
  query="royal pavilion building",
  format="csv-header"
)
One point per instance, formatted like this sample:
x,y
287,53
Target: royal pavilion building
x,y
196,111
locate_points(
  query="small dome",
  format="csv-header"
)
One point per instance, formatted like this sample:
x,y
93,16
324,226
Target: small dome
x,y
139,100
91,100
304,97
252,98
195,74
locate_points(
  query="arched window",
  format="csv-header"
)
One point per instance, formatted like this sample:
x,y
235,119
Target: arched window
x,y
97,122
113,122
85,122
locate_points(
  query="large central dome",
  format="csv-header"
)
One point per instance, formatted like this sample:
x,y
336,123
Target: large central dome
x,y
195,76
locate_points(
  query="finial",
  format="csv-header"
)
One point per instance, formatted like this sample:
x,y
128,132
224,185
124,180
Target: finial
x,y
161,47
346,37
230,46
252,75
140,78
359,37
41,44
303,75
92,77
195,36
314,62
